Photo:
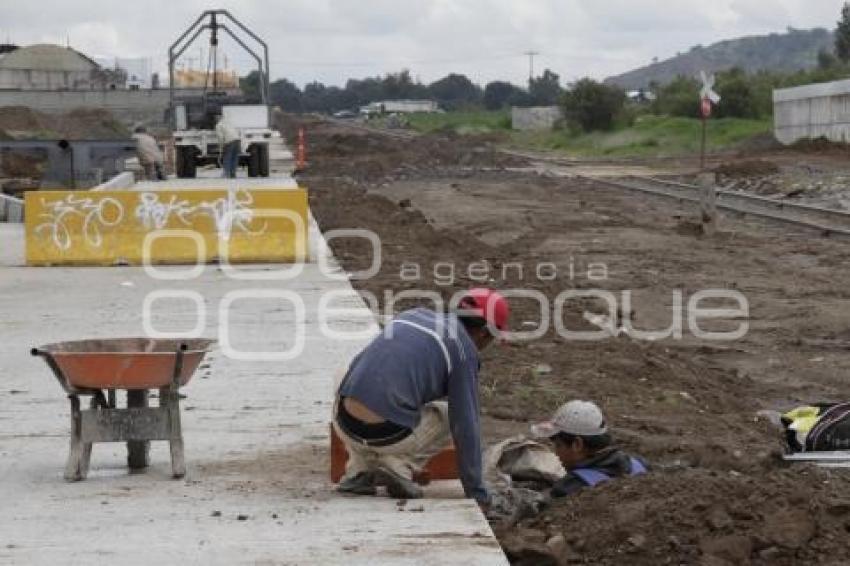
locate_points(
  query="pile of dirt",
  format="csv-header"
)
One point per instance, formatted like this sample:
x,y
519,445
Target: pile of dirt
x,y
693,516
22,166
747,168
91,123
19,119
820,145
372,155
20,122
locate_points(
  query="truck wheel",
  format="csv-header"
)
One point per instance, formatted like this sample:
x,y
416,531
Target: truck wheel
x,y
190,165
254,154
179,162
184,162
264,160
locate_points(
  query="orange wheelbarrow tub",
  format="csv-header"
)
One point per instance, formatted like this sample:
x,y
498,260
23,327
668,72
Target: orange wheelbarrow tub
x,y
123,363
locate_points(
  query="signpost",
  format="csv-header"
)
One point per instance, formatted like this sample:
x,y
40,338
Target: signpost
x,y
708,98
708,192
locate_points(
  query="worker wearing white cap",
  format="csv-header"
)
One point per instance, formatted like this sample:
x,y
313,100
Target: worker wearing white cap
x,y
580,439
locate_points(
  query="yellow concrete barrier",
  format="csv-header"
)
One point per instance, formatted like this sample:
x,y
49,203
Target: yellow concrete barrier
x,y
165,226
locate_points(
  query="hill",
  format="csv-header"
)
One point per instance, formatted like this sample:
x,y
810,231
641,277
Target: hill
x,y
787,52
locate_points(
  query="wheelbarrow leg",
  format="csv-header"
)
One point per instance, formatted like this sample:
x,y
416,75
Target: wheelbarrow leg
x,y
170,400
138,451
79,455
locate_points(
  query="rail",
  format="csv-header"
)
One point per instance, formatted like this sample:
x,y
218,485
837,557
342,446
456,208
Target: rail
x,y
826,221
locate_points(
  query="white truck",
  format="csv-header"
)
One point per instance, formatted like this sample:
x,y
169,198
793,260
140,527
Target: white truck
x,y
194,115
194,146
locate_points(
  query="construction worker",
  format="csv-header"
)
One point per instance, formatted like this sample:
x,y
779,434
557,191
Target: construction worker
x,y
229,142
390,412
150,156
580,439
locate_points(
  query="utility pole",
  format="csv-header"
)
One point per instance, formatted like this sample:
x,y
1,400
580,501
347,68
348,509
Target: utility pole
x,y
531,55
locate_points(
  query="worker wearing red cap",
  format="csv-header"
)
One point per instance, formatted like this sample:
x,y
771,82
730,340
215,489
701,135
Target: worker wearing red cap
x,y
413,388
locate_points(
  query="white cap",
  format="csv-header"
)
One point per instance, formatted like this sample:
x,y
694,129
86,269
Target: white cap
x,y
579,418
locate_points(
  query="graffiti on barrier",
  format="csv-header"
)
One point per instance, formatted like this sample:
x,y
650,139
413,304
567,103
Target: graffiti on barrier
x,y
95,214
227,213
230,213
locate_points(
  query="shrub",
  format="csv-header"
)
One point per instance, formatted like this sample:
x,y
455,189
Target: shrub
x,y
593,105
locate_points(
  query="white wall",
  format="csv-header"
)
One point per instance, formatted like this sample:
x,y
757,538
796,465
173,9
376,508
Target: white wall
x,y
535,117
812,111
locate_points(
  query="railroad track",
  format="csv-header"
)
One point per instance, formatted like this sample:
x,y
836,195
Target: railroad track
x,y
824,220
828,222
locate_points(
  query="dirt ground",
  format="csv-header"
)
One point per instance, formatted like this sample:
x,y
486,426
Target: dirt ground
x,y
718,492
20,122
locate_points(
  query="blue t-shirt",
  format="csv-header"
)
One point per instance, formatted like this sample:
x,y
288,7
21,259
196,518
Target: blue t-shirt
x,y
422,356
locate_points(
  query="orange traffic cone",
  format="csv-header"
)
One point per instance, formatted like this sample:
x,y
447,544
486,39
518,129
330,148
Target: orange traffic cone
x,y
301,159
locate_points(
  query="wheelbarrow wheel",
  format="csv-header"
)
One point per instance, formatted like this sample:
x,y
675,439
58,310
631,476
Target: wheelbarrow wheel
x,y
138,451
138,454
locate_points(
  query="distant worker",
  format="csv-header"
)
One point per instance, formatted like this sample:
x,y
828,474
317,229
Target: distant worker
x,y
580,439
150,156
228,139
390,412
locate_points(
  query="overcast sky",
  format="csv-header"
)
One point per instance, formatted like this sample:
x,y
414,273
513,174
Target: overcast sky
x,y
332,40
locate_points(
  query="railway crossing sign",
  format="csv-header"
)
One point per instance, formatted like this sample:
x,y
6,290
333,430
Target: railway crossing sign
x,y
708,97
707,91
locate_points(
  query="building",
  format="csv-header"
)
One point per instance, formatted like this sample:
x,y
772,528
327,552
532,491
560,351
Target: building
x,y
812,111
139,70
53,67
400,107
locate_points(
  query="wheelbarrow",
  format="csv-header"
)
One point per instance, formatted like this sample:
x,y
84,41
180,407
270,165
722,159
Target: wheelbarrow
x,y
98,368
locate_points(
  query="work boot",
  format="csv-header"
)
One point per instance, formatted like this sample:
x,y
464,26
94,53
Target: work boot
x,y
360,484
397,486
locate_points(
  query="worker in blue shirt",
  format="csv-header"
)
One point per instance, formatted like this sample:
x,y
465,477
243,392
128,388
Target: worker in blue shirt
x,y
411,390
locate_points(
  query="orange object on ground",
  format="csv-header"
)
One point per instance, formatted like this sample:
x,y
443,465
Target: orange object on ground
x,y
443,466
125,363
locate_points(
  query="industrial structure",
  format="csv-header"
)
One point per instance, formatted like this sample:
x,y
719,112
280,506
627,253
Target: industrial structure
x,y
812,111
400,107
52,67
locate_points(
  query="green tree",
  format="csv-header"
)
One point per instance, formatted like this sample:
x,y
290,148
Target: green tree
x,y
738,96
826,60
455,91
250,85
678,98
287,95
499,94
842,35
545,90
593,105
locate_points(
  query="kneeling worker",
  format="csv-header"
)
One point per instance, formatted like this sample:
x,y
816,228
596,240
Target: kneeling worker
x,y
580,439
389,408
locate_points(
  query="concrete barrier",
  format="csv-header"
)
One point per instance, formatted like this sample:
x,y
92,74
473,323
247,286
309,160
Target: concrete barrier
x,y
11,209
165,226
123,180
812,111
535,118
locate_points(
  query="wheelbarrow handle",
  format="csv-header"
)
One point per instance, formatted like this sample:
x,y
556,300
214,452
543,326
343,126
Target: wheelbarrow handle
x,y
57,371
178,366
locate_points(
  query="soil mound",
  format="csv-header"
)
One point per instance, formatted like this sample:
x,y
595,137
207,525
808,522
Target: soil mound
x,y
749,168
20,122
